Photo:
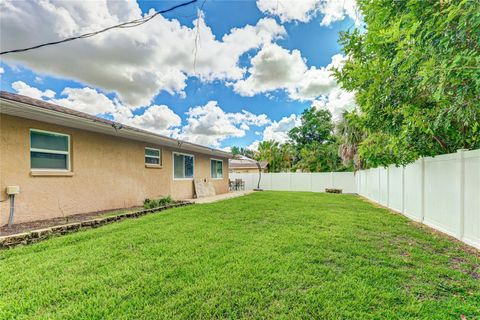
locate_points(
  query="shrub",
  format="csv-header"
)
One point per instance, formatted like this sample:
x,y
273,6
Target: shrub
x,y
155,203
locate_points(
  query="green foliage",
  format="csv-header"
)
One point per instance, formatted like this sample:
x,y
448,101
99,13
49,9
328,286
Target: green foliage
x,y
316,127
279,156
243,151
416,71
155,203
350,133
268,255
313,146
318,157
315,143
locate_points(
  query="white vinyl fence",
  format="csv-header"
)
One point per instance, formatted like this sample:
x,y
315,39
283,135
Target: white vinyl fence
x,y
443,192
296,181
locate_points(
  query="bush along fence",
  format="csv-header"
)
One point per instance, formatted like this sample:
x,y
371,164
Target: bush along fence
x,y
299,181
42,234
442,192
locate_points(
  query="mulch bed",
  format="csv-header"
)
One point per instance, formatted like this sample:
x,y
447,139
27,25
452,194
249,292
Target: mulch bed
x,y
40,230
41,224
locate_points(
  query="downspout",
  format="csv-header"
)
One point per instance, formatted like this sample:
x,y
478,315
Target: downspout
x,y
12,209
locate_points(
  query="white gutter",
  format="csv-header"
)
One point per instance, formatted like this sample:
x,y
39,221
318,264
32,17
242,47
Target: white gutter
x,y
107,127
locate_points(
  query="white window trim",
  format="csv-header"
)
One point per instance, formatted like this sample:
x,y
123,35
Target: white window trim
x,y
50,151
211,176
173,165
154,157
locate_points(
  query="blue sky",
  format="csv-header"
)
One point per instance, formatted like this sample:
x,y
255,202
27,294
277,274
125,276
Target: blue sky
x,y
256,94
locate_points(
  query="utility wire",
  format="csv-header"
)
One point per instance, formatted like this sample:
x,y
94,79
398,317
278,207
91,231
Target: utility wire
x,y
124,25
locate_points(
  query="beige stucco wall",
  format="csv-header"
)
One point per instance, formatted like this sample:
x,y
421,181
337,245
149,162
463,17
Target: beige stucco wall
x,y
108,173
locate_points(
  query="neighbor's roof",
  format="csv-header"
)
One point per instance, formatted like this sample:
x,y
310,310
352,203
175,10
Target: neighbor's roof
x,y
243,162
25,107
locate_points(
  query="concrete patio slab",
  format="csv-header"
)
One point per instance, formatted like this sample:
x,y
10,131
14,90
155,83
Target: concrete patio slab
x,y
220,197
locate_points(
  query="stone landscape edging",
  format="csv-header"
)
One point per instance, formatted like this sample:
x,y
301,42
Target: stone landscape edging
x,y
38,235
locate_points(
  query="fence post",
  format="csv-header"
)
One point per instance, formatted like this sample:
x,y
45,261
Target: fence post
x,y
388,187
380,185
311,181
422,192
403,189
331,180
461,157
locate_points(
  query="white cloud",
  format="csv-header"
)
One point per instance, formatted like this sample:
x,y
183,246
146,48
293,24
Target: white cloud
x,y
1,70
86,100
24,89
337,101
275,68
157,118
337,10
305,10
135,63
278,130
209,124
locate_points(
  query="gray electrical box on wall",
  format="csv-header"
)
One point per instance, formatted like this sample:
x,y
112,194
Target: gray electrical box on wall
x,y
12,190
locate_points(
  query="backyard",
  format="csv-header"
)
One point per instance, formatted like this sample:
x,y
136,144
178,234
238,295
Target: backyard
x,y
265,255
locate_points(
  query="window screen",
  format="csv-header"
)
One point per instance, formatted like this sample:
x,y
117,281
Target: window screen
x,y
183,166
152,156
49,150
216,169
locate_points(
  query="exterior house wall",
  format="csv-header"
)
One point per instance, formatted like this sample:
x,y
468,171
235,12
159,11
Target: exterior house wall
x,y
108,173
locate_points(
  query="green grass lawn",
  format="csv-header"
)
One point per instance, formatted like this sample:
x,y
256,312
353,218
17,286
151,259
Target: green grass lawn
x,y
267,255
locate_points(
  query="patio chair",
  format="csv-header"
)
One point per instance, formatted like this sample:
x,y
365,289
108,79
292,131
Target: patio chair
x,y
231,185
239,184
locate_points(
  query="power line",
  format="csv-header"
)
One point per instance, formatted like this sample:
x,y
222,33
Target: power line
x,y
124,25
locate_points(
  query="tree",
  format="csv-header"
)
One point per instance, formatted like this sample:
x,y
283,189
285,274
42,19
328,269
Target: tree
x,y
316,146
243,151
279,156
416,73
316,126
351,133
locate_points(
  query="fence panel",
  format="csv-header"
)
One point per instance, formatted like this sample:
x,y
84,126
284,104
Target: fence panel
x,y
442,198
321,181
442,192
413,190
472,198
383,177
280,181
395,188
299,181
265,182
344,181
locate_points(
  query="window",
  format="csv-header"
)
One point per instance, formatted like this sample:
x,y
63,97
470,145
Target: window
x,y
216,169
152,156
183,166
49,150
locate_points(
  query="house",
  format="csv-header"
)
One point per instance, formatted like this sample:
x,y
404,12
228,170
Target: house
x,y
67,162
242,164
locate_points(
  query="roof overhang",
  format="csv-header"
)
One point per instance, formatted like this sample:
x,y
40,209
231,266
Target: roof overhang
x,y
103,126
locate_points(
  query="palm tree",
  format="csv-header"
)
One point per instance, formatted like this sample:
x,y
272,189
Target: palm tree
x,y
351,135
